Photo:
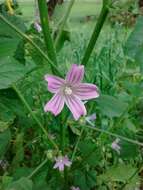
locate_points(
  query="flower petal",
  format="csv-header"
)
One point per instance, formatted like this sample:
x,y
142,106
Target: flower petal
x,y
61,167
54,83
55,105
75,75
76,106
56,165
86,91
66,161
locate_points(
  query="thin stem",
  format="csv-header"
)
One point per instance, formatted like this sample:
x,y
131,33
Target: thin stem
x,y
43,10
77,143
18,31
34,116
63,22
112,134
37,168
96,32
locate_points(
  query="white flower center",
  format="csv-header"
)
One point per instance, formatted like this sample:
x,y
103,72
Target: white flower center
x,y
68,90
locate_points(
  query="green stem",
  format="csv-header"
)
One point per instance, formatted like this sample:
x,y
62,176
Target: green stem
x,y
24,36
63,22
77,143
112,134
43,10
96,32
38,168
34,116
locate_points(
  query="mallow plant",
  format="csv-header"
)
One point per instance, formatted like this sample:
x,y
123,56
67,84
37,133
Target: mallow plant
x,y
72,149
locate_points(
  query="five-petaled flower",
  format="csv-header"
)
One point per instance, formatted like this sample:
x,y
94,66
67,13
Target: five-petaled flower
x,y
70,91
61,162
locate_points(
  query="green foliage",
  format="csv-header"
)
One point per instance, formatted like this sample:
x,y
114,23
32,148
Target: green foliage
x,y
10,72
8,38
5,138
85,180
134,45
111,106
121,173
21,184
113,67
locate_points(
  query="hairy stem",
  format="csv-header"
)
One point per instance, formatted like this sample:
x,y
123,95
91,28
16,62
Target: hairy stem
x,y
43,10
96,32
77,143
38,168
34,117
92,126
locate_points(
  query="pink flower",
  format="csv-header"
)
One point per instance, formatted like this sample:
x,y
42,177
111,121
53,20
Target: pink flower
x,y
115,146
75,188
61,162
70,91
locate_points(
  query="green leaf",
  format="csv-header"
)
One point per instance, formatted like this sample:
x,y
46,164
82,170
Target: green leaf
x,y
21,184
90,152
80,180
86,147
135,40
120,173
134,45
85,180
7,46
21,172
9,39
10,72
6,30
111,106
5,138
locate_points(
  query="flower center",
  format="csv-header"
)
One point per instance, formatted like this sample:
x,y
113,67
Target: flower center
x,y
68,90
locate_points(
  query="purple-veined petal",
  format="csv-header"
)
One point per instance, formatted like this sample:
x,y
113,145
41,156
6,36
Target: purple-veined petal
x,y
75,74
76,106
86,91
54,83
55,105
